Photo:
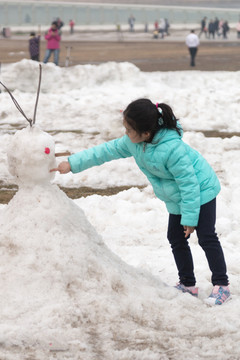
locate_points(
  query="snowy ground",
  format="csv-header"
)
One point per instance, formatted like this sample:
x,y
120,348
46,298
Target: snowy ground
x,y
81,107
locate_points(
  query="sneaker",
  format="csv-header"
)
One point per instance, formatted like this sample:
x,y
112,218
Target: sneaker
x,y
193,290
218,296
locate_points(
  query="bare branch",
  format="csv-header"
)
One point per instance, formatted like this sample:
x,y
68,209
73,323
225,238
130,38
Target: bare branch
x,y
38,91
17,104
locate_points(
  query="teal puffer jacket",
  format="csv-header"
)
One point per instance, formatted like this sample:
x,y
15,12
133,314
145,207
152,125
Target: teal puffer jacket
x,y
180,176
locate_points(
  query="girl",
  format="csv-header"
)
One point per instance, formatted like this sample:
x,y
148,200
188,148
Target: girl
x,y
34,42
53,43
180,177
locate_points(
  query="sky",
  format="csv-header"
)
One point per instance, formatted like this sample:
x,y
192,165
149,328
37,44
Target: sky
x,y
94,277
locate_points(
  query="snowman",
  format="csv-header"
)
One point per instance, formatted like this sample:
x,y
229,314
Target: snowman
x,y
62,288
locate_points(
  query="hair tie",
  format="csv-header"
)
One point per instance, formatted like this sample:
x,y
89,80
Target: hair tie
x,y
160,119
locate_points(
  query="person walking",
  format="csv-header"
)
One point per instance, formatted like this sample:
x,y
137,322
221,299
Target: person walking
x,y
192,41
211,29
53,43
71,24
167,26
238,30
203,27
180,176
34,46
216,26
162,27
225,29
131,22
220,27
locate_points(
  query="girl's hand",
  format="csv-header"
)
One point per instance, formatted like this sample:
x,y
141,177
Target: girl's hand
x,y
64,168
188,230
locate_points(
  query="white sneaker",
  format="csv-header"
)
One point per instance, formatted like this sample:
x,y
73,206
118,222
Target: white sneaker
x,y
218,296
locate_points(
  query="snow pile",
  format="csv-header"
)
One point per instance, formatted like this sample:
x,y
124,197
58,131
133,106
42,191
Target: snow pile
x,y
64,282
89,93
63,288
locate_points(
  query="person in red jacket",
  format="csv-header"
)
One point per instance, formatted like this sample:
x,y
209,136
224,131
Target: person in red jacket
x,y
71,24
53,43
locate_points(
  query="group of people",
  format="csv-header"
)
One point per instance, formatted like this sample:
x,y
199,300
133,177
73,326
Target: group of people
x,y
53,37
214,28
161,28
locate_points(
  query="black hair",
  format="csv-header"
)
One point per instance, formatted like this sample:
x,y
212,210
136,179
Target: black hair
x,y
144,116
55,23
33,34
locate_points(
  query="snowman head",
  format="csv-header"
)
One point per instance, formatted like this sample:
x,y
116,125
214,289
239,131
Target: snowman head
x,y
31,155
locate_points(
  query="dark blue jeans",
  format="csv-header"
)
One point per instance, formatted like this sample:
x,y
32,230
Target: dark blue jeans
x,y
48,54
207,239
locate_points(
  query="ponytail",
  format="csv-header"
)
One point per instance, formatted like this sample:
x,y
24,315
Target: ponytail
x,y
142,115
167,119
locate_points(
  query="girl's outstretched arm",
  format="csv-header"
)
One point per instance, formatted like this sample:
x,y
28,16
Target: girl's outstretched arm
x,y
97,155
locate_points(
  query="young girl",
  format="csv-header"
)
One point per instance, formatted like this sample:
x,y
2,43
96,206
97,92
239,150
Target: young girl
x,y
53,38
34,44
180,177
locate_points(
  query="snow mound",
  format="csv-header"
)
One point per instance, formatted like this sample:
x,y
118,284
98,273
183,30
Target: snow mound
x,y
61,80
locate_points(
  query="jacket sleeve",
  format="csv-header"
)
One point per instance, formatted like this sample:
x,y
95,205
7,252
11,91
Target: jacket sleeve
x,y
180,166
97,155
48,35
57,37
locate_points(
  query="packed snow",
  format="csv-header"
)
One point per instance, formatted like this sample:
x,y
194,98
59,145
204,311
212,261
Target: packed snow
x,y
93,278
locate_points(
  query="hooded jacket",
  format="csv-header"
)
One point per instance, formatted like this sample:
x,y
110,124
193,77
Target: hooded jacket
x,y
179,175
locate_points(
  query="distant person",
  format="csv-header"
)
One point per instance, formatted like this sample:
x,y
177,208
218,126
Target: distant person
x,y
34,46
211,29
225,29
162,27
216,26
203,27
156,25
155,34
71,24
60,23
131,22
6,32
220,27
53,43
238,30
167,26
192,42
